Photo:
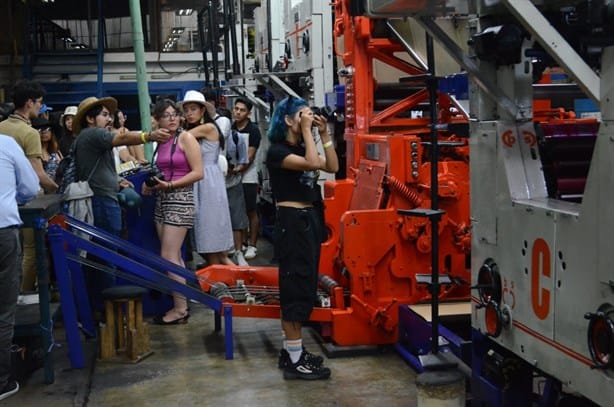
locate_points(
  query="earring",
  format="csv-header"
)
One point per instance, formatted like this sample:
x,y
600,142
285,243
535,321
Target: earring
x,y
202,120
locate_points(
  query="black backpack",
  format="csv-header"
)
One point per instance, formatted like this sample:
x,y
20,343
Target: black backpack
x,y
67,170
232,154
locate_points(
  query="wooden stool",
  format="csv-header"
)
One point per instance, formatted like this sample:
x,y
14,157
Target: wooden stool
x,y
124,335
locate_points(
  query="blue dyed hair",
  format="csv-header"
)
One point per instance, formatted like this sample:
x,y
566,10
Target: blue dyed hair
x,y
278,129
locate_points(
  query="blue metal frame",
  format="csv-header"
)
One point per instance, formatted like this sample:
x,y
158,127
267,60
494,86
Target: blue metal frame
x,y
35,215
127,260
518,391
415,339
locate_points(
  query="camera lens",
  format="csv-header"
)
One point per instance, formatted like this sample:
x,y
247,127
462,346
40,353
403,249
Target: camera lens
x,y
150,182
154,173
320,111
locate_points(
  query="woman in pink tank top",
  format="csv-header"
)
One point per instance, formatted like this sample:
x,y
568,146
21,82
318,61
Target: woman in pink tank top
x,y
180,162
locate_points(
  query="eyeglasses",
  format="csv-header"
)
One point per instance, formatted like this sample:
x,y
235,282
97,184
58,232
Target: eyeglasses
x,y
167,116
45,129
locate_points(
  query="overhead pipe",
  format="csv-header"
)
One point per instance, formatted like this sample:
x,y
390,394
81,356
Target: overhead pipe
x,y
203,46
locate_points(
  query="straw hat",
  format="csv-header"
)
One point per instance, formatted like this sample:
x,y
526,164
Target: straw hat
x,y
89,103
194,96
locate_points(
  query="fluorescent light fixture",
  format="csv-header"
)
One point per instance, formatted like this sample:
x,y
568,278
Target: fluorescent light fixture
x,y
78,46
178,30
184,12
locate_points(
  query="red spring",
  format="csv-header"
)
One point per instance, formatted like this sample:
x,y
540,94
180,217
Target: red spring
x,y
410,195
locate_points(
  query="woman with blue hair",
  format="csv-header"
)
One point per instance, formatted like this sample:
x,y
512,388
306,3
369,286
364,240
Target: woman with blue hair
x,y
294,166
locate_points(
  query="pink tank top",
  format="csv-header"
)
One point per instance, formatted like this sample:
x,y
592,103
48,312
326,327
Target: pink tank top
x,y
171,160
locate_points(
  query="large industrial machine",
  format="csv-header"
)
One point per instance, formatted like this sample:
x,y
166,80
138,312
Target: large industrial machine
x,y
374,258
542,321
531,232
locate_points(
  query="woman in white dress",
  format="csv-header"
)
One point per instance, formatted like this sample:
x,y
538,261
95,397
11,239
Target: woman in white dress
x,y
212,227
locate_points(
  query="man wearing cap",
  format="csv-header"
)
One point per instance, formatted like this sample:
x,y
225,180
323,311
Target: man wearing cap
x,y
68,136
94,147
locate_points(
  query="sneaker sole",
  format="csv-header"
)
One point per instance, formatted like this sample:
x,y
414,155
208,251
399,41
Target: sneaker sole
x,y
284,361
9,393
303,376
285,364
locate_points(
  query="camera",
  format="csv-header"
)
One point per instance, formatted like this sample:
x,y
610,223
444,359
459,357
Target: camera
x,y
153,173
325,111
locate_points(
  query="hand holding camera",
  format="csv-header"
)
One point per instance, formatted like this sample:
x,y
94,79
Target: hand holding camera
x,y
320,118
154,176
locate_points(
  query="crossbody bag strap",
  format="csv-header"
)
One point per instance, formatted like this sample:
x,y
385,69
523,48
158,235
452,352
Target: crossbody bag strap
x,y
93,169
74,153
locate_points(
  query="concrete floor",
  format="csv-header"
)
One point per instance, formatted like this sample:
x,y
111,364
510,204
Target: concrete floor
x,y
188,369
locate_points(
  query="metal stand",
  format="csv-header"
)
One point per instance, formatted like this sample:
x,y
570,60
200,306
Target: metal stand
x,y
432,360
35,215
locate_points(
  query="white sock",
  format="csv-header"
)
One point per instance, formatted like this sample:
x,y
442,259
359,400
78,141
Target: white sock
x,y
294,348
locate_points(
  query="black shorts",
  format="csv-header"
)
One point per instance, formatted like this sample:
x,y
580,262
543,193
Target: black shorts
x,y
297,247
251,197
236,204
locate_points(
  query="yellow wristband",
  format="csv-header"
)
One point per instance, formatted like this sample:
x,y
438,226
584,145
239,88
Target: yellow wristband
x,y
144,137
327,144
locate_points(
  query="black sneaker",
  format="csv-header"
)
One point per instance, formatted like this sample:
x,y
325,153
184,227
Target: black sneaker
x,y
284,358
9,389
305,370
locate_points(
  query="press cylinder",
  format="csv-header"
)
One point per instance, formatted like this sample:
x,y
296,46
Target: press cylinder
x,y
441,388
327,283
221,292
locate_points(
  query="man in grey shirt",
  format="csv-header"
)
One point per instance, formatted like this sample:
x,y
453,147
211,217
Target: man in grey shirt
x,y
94,156
94,161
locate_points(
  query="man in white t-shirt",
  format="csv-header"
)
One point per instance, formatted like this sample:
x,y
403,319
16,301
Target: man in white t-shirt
x,y
244,126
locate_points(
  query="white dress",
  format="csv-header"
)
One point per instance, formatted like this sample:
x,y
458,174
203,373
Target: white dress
x,y
212,227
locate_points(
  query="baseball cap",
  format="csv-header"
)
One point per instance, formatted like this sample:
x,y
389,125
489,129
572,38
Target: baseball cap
x,y
44,108
70,111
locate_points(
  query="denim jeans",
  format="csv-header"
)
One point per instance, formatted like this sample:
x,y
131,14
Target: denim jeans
x,y
108,217
10,270
107,214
